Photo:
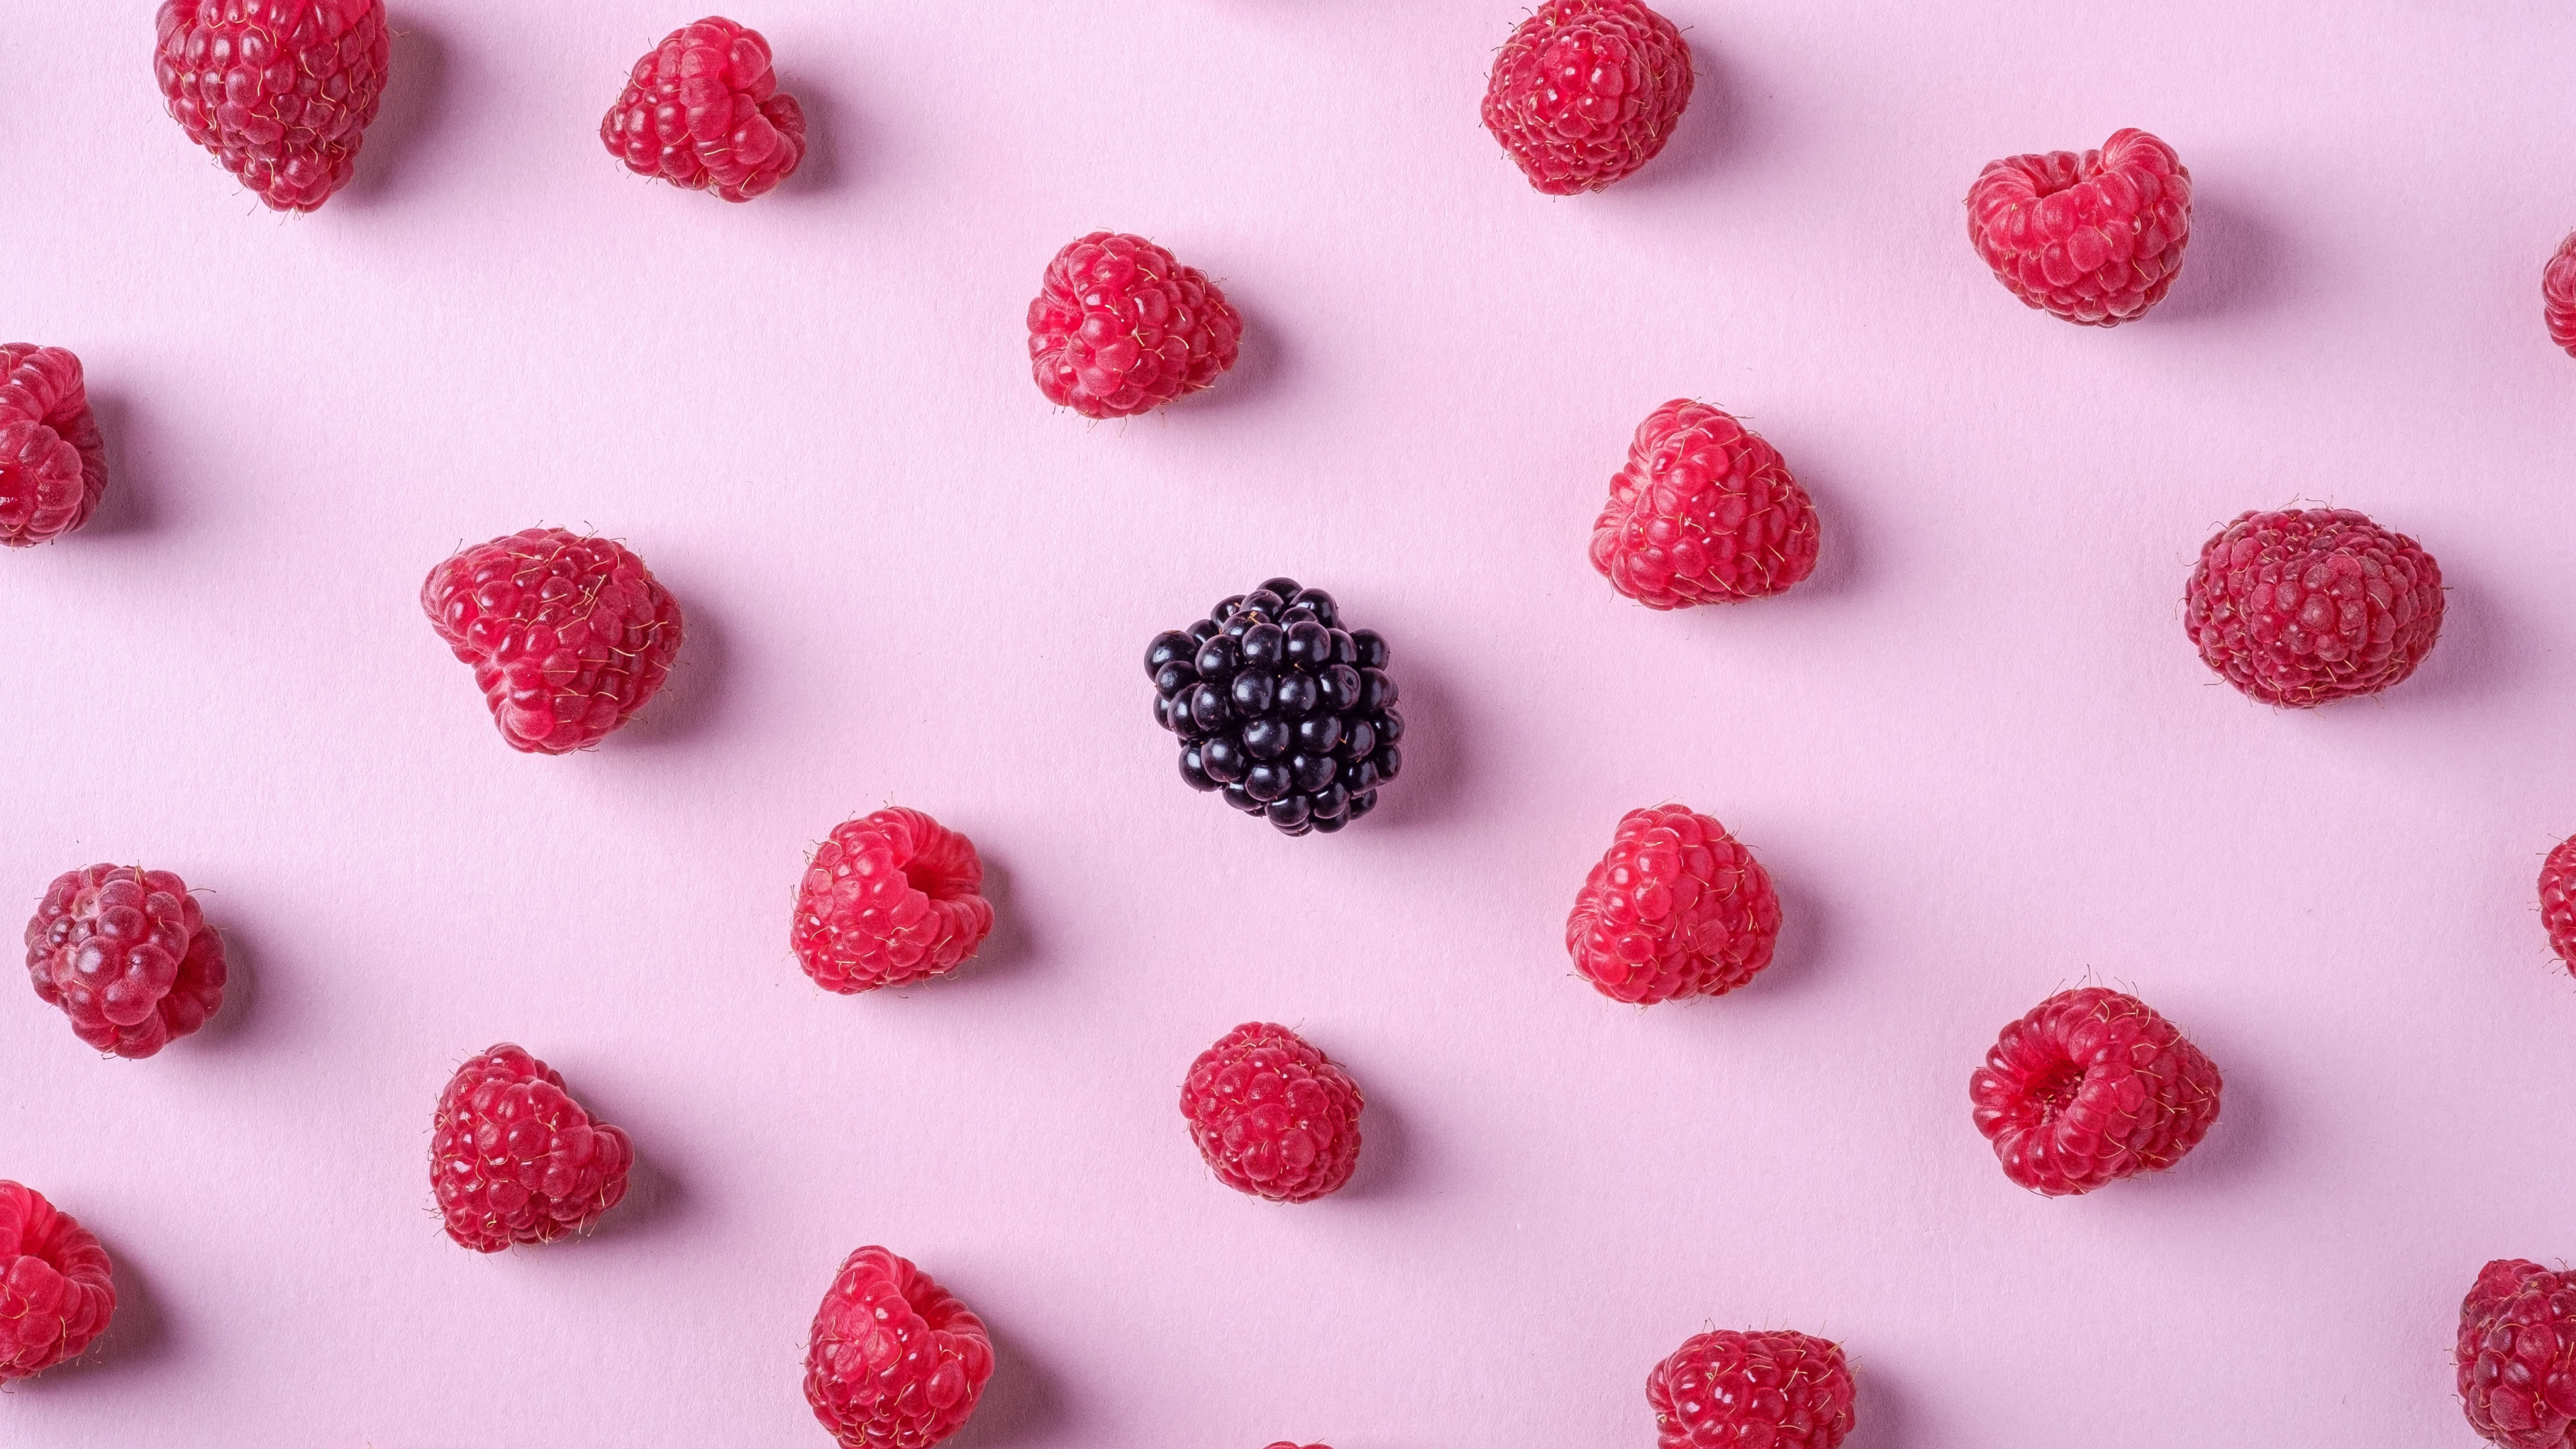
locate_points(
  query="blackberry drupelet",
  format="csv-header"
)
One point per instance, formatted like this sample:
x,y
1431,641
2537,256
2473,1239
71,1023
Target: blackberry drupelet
x,y
1279,708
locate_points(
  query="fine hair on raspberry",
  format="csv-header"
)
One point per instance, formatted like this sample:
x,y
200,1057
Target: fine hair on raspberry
x,y
569,636
515,1161
53,462
2558,901
55,1293
1778,1390
1705,512
703,111
2091,1086
894,1360
1273,1116
280,91
2516,1355
2304,606
888,900
2095,237
126,954
1584,92
1120,327
1676,907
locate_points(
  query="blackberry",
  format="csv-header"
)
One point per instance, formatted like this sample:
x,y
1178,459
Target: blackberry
x,y
1279,708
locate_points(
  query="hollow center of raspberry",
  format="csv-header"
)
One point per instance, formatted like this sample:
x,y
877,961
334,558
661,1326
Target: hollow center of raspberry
x,y
2055,1090
937,884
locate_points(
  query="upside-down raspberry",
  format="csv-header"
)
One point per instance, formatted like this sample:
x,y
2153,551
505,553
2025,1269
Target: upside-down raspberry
x,y
569,636
127,955
514,1159
895,1361
1676,907
2094,238
53,464
2517,1356
281,91
1729,1390
1273,1116
55,1293
703,110
1704,513
2303,606
1586,91
2090,1087
1120,327
888,900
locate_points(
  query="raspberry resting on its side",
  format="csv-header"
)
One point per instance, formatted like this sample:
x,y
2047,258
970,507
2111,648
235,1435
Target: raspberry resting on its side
x,y
281,91
127,955
53,464
1778,1390
895,1361
703,110
2558,294
1704,513
514,1159
1273,1116
2095,238
569,636
2090,1087
2558,900
1586,91
1120,327
55,1294
1676,907
2303,606
889,900
2517,1356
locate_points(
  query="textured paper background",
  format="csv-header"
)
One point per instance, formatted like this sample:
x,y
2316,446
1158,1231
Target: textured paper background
x,y
1975,750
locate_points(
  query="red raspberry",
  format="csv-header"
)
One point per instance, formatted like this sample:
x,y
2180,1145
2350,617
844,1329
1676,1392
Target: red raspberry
x,y
54,1290
569,636
1120,327
1677,907
703,110
2092,1086
1587,91
887,901
2303,606
2517,1356
2095,238
514,1159
53,465
127,955
1778,1390
1273,1116
896,1362
2558,294
1704,513
2558,900
282,91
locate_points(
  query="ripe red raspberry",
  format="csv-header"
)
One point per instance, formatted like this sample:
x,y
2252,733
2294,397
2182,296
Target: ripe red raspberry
x,y
2558,294
127,955
2517,1356
703,110
1120,327
514,1159
887,901
54,1290
1273,1116
282,91
2095,238
896,1362
2303,606
2558,900
53,465
1677,907
1704,513
569,636
2092,1086
1587,91
1777,1390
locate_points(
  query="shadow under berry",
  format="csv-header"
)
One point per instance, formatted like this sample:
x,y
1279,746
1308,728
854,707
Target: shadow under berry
x,y
1707,140
416,83
1022,1401
690,696
1438,760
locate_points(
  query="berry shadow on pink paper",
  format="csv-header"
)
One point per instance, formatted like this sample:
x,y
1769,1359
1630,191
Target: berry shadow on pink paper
x,y
1262,364
1437,785
691,699
132,455
2232,267
1388,1166
416,81
1710,137
1022,1404
1009,948
1878,1404
824,169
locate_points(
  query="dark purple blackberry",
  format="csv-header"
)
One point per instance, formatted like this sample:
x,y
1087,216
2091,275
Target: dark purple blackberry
x,y
1280,709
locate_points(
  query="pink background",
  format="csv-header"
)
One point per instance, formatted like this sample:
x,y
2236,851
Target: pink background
x,y
1975,750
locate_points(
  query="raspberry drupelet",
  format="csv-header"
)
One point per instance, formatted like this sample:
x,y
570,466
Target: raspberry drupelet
x,y
2095,238
1705,512
2516,1356
55,1292
53,463
1778,1390
2558,900
2090,1087
514,1159
895,1361
2558,294
1586,91
1120,327
569,636
2301,607
889,900
281,91
127,955
1273,1116
1676,907
702,110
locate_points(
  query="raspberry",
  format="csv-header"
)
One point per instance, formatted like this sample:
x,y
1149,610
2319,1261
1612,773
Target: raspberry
x,y
55,1295
2558,294
1278,707
2517,1356
1587,91
1704,513
896,1362
53,465
2558,900
1120,327
127,955
2095,238
281,91
1778,1390
569,636
514,1159
887,901
703,110
1677,907
2092,1086
1273,1116
2303,606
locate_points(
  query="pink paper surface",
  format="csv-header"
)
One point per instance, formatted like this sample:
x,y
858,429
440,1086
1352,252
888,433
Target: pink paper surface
x,y
1975,750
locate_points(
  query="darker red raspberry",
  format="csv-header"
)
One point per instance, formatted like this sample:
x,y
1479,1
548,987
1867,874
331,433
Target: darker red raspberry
x,y
1677,907
53,465
2304,606
569,636
2095,238
895,1362
2558,294
2092,1086
2517,1356
887,901
1732,1390
1120,327
281,91
2558,900
127,955
703,110
1273,1116
54,1291
514,1159
1587,91
1704,513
